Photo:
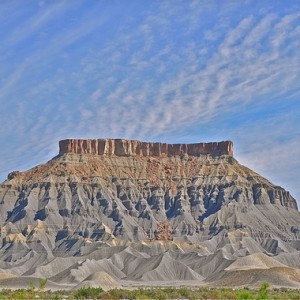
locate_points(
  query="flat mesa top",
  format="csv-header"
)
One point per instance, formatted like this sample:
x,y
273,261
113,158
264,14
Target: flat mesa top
x,y
124,147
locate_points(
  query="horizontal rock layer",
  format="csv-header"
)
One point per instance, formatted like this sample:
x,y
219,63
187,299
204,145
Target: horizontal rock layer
x,y
214,219
122,147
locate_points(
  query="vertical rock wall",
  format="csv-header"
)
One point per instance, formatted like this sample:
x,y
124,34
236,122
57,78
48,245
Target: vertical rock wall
x,y
122,147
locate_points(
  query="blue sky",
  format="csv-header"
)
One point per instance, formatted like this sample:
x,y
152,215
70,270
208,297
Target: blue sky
x,y
172,71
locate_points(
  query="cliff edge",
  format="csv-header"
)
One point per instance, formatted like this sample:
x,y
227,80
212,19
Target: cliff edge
x,y
123,147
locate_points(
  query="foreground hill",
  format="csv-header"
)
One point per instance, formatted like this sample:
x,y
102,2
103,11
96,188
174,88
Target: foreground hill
x,y
146,212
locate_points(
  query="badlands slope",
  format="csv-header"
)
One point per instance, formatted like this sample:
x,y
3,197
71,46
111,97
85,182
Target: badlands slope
x,y
91,217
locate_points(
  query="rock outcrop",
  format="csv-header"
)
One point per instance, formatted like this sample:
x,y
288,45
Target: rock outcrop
x,y
122,147
102,205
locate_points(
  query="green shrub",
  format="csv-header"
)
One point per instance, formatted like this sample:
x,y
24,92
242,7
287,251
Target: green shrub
x,y
42,283
263,291
244,295
20,294
153,293
87,293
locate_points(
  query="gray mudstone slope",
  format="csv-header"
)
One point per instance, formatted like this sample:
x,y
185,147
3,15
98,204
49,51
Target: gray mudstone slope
x,y
83,213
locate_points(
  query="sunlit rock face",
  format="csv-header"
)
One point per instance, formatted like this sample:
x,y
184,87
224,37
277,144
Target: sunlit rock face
x,y
122,147
109,190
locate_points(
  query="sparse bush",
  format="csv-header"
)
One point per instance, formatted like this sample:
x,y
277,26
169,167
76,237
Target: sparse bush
x,y
31,290
20,294
263,291
31,286
244,295
87,293
153,293
42,283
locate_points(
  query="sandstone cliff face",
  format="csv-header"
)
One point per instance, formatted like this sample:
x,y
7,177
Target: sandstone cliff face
x,y
122,147
130,187
107,191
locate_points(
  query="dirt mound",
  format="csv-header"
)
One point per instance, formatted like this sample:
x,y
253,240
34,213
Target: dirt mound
x,y
99,279
254,261
277,277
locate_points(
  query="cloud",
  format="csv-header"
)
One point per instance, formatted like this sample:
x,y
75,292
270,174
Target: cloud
x,y
13,78
30,26
53,46
151,73
239,72
271,147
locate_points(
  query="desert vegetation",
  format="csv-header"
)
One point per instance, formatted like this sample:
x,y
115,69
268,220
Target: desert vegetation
x,y
263,293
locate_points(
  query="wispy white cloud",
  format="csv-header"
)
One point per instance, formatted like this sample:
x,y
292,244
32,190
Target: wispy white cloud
x,y
271,147
237,73
31,25
8,83
53,46
151,77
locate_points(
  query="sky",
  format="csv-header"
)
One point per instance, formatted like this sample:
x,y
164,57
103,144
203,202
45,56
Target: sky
x,y
170,71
